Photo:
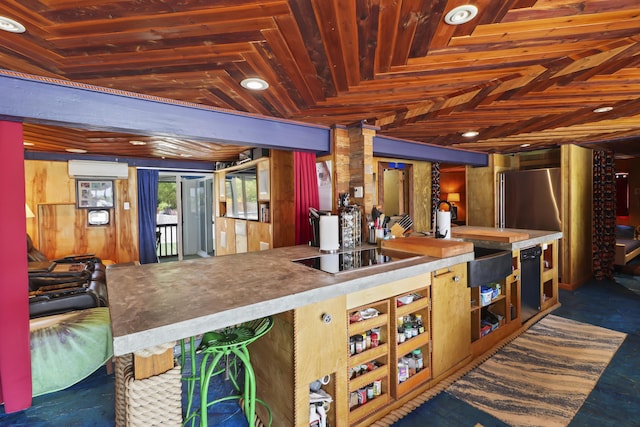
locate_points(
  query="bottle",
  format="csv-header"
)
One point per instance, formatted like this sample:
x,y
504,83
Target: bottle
x,y
374,339
359,344
418,360
403,374
411,364
407,328
401,336
419,323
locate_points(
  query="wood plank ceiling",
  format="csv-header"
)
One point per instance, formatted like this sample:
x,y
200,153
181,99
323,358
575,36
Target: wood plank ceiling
x,y
522,73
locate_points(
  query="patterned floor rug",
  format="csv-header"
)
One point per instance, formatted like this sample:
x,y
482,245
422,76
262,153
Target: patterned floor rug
x,y
543,377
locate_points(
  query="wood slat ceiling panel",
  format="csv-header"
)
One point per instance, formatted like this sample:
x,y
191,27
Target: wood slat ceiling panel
x,y
522,71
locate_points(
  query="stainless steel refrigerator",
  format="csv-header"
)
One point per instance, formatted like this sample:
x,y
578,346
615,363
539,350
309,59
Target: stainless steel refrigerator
x,y
531,200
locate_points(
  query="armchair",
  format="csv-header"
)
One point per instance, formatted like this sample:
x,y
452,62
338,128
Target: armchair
x,y
70,325
75,282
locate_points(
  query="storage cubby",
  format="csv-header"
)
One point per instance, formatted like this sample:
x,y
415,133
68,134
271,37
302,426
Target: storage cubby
x,y
486,318
369,349
547,291
411,316
514,300
501,313
548,262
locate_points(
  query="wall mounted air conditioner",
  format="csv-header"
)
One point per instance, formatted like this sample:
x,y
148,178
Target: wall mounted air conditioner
x,y
94,169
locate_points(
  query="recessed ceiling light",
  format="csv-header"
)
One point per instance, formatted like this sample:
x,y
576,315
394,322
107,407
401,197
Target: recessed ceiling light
x,y
29,144
525,145
461,14
75,150
8,24
471,134
254,83
603,109
135,142
186,155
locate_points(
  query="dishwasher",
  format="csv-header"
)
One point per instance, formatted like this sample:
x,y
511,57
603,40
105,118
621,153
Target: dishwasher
x,y
530,282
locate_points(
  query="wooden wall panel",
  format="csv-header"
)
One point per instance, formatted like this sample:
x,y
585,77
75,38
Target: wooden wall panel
x,y
282,198
126,220
60,229
63,231
481,196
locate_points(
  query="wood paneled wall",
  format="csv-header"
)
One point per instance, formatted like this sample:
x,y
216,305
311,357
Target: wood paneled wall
x,y
60,229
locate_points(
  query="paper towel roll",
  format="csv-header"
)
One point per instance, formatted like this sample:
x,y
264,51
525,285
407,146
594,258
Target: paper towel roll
x,y
329,233
443,224
330,263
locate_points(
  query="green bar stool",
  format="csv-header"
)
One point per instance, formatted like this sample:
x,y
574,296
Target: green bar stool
x,y
231,343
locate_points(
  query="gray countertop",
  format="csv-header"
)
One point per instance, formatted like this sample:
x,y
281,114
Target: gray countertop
x,y
153,304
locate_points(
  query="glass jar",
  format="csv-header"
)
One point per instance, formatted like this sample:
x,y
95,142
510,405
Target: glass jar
x,y
359,344
418,360
419,323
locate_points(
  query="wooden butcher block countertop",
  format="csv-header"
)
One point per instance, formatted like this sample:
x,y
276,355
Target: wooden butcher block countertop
x,y
437,248
497,235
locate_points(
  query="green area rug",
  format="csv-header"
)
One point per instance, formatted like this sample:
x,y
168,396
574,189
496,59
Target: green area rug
x,y
543,377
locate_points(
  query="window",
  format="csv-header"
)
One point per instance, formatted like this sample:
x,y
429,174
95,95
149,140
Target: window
x,y
241,194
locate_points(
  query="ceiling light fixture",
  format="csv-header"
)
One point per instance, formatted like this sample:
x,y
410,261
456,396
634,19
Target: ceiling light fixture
x,y
471,134
8,24
135,142
75,150
525,145
603,109
254,83
461,14
27,144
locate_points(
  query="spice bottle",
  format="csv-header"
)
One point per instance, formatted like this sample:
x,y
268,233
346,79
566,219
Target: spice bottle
x,y
418,360
419,323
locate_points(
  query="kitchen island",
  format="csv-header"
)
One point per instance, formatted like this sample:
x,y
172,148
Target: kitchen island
x,y
155,304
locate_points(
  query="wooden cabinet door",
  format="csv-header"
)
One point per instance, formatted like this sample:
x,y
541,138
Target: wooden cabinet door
x,y
321,348
451,319
258,236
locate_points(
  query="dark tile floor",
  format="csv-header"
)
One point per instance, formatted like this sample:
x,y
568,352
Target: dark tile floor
x,y
615,401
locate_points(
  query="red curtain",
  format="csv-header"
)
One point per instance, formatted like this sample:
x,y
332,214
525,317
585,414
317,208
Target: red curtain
x,y
15,354
306,187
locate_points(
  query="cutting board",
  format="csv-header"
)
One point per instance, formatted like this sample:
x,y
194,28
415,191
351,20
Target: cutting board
x,y
438,248
493,235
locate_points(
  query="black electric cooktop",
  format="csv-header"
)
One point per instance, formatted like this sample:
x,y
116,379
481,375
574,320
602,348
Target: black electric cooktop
x,y
352,260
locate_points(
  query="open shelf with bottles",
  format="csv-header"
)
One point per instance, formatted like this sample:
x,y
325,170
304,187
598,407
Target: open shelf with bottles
x,y
499,316
369,347
411,355
487,317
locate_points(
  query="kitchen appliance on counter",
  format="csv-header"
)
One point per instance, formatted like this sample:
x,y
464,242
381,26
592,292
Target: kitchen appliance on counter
x,y
352,260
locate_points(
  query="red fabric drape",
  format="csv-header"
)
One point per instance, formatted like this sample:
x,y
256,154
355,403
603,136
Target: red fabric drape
x,y
306,187
15,355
